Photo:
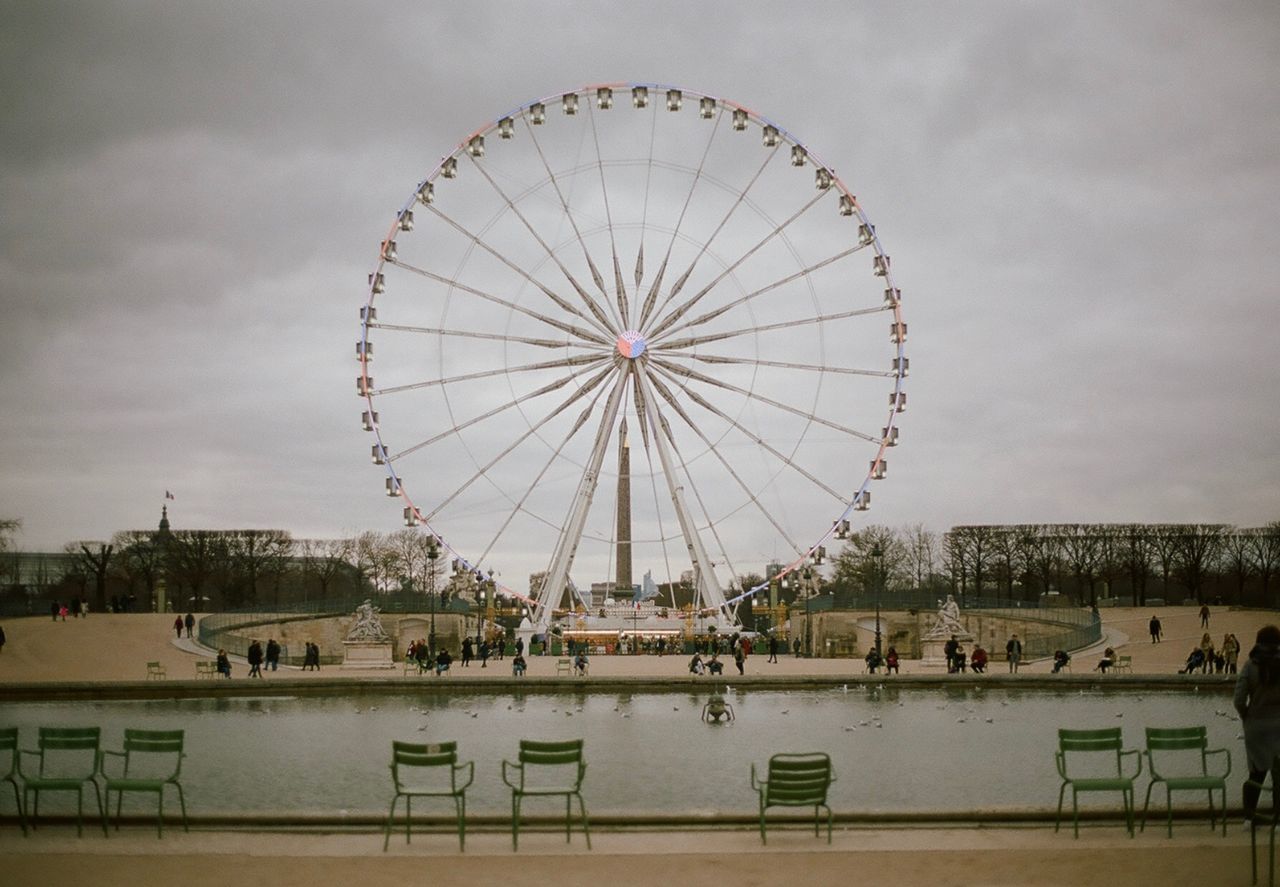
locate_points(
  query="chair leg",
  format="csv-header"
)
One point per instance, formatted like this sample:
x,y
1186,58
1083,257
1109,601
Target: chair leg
x,y
408,817
1168,803
80,812
568,816
102,808
460,802
1145,804
815,820
515,821
1057,822
386,831
586,824
1075,811
763,839
182,801
17,800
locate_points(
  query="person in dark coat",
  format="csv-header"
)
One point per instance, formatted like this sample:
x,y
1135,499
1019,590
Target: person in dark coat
x,y
255,660
466,652
224,664
273,654
1257,700
773,649
189,623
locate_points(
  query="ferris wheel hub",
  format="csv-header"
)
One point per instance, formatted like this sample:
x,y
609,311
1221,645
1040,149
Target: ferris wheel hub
x,y
631,344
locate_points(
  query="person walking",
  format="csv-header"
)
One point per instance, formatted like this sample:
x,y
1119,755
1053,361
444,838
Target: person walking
x,y
739,658
1257,700
1013,652
1154,627
273,654
773,649
54,608
177,627
189,622
1230,653
466,652
1204,615
255,660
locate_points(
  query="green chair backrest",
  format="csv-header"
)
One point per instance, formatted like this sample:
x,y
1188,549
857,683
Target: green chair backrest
x,y
1106,739
414,754
799,778
1177,738
153,754
567,751
156,741
9,749
69,738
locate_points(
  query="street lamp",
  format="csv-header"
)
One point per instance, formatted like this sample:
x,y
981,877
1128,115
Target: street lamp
x,y
433,553
877,554
807,576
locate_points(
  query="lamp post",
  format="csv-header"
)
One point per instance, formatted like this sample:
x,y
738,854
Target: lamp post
x,y
807,577
433,553
877,554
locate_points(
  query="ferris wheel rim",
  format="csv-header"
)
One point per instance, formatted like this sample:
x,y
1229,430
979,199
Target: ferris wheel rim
x,y
368,396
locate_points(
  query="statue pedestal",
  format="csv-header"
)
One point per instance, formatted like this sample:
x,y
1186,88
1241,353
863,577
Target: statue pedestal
x,y
367,654
932,650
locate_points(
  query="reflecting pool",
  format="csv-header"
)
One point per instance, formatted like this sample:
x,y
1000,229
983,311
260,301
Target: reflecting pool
x,y
894,749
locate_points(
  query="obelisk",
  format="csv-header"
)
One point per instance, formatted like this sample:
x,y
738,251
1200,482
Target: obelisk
x,y
622,582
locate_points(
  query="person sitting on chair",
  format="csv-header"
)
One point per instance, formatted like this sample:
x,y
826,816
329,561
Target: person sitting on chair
x,y
518,666
1108,659
1194,661
1060,659
580,661
873,660
978,661
891,661
958,659
224,664
714,665
695,664
443,660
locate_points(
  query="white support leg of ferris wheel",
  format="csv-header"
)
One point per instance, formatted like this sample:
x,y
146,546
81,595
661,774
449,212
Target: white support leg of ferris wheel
x,y
562,560
708,586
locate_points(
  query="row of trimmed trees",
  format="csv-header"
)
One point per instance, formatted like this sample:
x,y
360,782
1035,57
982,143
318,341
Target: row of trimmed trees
x,y
1085,562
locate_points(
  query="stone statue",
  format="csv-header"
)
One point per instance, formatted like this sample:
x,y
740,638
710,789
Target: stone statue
x,y
367,627
948,622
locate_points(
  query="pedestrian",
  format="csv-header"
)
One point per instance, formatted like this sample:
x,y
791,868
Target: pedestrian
x,y
1206,647
177,627
84,608
773,649
224,664
75,608
520,646
1204,615
1230,652
189,622
273,654
466,652
739,658
1154,627
255,659
795,646
1013,652
1257,699
53,610
484,654
62,612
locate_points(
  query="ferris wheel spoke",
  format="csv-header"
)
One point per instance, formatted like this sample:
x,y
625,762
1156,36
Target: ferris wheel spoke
x,y
519,505
759,441
573,398
623,311
782,364
680,311
694,341
601,318
708,583
474,334
692,374
571,329
769,287
489,414
675,404
706,244
651,299
596,277
576,360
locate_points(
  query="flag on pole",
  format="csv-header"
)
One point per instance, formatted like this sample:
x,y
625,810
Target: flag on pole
x,y
168,495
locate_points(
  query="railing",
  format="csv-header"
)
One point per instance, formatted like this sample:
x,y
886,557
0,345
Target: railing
x,y
1078,627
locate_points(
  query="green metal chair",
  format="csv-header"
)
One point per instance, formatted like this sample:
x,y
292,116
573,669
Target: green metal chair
x,y
1253,828
428,771
795,780
152,760
1100,754
68,760
1179,758
9,749
547,769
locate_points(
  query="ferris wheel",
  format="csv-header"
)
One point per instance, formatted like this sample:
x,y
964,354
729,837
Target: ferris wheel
x,y
627,336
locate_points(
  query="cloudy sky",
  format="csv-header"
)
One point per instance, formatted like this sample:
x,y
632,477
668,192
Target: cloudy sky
x,y
1082,203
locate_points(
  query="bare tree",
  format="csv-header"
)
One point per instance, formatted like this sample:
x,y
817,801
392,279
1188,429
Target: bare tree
x,y
1044,554
1164,542
96,559
972,547
141,559
1081,550
1007,555
253,555
195,558
922,553
325,560
1198,547
1136,553
1238,557
1266,552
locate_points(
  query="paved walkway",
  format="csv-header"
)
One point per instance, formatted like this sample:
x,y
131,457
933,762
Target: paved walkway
x,y
902,857
111,647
